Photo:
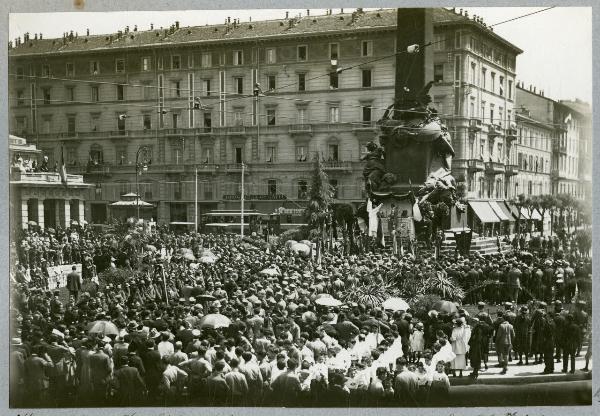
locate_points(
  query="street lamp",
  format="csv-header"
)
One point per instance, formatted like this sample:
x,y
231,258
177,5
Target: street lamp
x,y
138,168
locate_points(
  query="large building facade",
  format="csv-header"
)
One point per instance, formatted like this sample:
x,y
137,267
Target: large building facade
x,y
184,101
560,133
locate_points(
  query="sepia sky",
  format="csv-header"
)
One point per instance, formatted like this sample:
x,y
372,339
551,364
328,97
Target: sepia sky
x,y
557,43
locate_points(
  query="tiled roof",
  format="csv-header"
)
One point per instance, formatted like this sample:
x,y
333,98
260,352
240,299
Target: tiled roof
x,y
306,25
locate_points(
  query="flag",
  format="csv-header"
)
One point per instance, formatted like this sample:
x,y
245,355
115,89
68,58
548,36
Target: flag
x,y
568,118
63,169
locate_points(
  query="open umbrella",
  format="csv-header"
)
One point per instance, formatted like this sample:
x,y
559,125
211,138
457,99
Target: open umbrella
x,y
205,298
189,256
207,260
103,327
445,306
215,320
395,304
32,223
270,272
328,301
300,248
150,247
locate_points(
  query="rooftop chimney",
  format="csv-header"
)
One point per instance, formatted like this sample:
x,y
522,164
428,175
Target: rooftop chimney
x,y
87,32
35,37
341,10
177,25
466,13
127,29
287,15
135,28
229,20
460,12
308,12
151,26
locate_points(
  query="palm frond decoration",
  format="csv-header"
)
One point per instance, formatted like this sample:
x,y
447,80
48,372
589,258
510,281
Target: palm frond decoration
x,y
371,294
444,286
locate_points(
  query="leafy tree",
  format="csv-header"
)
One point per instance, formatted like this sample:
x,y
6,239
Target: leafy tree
x,y
519,202
547,203
567,207
318,211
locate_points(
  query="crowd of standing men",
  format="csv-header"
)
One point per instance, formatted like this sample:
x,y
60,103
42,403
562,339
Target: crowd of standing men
x,y
279,346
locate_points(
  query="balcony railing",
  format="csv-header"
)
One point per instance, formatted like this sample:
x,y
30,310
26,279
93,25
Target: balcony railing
x,y
364,126
511,170
302,128
559,147
337,165
494,130
475,165
44,178
475,125
494,168
236,168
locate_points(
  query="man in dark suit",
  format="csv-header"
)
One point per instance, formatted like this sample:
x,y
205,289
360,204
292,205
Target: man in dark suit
x,y
153,367
100,372
128,384
74,283
572,338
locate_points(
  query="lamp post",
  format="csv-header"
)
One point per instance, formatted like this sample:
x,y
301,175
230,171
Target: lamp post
x,y
242,204
144,167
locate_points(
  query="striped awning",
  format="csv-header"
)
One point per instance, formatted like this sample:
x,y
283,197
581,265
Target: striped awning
x,y
535,215
484,211
498,211
525,213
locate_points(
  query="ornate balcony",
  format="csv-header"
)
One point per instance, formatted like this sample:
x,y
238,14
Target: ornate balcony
x,y
302,128
494,168
511,170
494,130
559,147
475,125
475,165
511,133
337,165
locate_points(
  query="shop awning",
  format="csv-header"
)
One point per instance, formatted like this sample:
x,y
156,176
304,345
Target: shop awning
x,y
484,211
535,215
507,211
513,209
525,213
498,211
134,203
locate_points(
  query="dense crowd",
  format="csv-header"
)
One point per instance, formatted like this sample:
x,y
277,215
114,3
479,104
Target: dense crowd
x,y
279,347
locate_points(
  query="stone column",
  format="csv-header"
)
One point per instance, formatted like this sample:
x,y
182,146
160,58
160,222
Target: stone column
x,y
40,218
67,209
81,212
24,213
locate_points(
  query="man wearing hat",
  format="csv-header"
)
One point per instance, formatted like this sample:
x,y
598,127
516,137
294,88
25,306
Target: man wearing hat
x,y
521,345
559,324
581,319
74,283
505,336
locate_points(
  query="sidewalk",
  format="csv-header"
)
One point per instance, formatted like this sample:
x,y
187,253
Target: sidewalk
x,y
523,374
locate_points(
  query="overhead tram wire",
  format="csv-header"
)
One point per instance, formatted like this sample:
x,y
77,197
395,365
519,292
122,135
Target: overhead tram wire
x,y
340,70
249,114
279,88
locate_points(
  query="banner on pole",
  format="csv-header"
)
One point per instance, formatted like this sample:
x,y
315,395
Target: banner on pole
x,y
57,275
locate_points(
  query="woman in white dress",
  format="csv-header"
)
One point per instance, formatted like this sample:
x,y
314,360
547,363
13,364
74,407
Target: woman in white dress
x,y
460,342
